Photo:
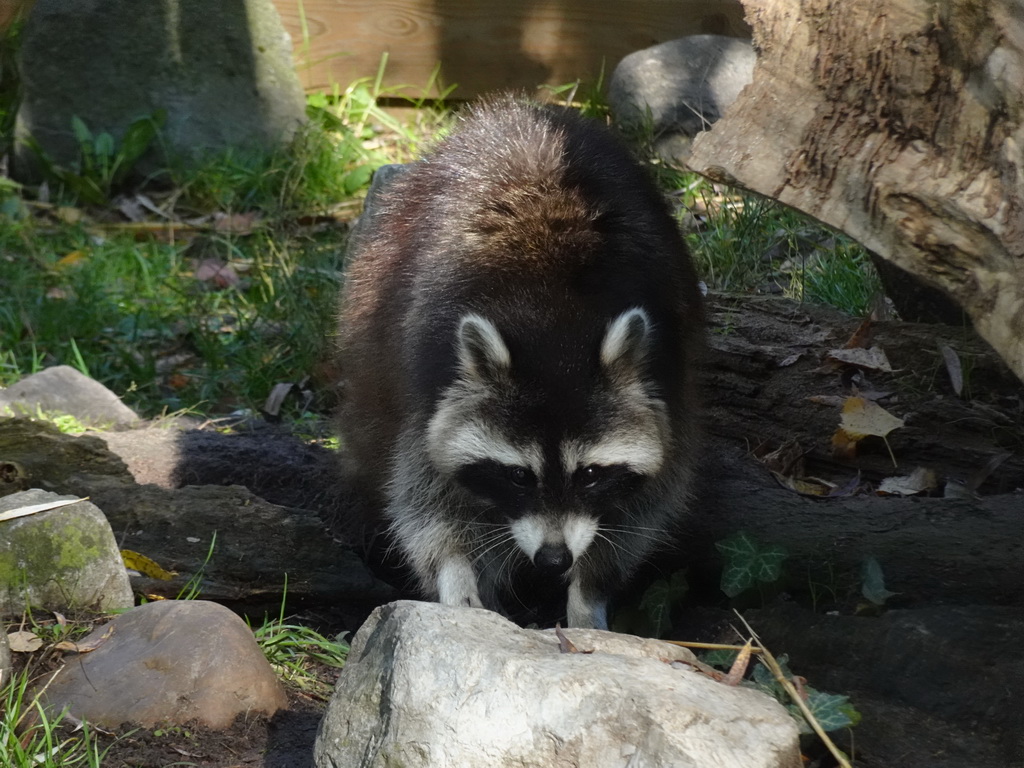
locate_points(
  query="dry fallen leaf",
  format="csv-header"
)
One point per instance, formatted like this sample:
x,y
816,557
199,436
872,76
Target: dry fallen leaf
x,y
145,566
68,214
70,259
739,665
235,223
872,359
863,418
953,368
861,337
24,641
84,647
805,486
33,509
275,399
564,643
920,480
216,273
787,458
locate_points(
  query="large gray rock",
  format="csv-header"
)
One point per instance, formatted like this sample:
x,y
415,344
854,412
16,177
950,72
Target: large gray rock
x,y
64,390
222,71
64,559
683,85
432,685
168,662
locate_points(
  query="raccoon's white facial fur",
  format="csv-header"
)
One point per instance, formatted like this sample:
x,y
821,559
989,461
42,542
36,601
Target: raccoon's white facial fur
x,y
533,531
454,441
635,445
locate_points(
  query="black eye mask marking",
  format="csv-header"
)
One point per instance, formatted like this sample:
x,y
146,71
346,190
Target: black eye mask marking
x,y
605,479
501,483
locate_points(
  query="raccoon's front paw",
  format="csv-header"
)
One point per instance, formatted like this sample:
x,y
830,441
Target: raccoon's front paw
x,y
456,584
586,611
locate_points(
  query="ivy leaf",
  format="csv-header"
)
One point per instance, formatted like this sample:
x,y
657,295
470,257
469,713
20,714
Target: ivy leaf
x,y
769,563
873,587
747,562
659,598
765,680
832,711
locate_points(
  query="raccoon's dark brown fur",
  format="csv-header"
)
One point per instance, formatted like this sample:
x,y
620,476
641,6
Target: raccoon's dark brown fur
x,y
519,333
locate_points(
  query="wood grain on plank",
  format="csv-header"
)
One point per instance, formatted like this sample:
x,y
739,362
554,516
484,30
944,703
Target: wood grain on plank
x,y
483,45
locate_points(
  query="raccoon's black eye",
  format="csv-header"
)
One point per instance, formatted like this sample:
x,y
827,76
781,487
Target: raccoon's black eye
x,y
590,476
612,478
520,476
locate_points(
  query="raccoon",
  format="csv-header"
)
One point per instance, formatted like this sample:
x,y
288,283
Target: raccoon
x,y
519,336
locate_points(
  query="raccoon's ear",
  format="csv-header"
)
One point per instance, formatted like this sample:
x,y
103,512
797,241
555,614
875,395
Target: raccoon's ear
x,y
482,352
627,340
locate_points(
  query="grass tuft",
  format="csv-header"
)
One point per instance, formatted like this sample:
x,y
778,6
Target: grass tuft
x,y
30,738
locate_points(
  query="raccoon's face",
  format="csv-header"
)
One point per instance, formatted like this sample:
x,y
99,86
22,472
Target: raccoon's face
x,y
556,473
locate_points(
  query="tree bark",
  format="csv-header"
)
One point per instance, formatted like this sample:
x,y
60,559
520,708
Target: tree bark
x,y
901,123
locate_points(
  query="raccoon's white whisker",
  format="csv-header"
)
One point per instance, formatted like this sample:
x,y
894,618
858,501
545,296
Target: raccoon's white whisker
x,y
652,534
487,544
615,545
484,547
505,568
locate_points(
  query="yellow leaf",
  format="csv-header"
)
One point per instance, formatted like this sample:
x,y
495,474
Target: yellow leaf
x,y
68,214
72,258
145,566
863,417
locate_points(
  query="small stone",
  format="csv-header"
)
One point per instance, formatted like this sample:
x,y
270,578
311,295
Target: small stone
x,y
683,85
168,663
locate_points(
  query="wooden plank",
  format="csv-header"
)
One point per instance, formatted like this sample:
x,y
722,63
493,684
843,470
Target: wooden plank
x,y
484,45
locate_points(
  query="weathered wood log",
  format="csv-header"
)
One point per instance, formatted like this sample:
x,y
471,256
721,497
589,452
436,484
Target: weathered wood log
x,y
901,124
965,551
769,380
768,358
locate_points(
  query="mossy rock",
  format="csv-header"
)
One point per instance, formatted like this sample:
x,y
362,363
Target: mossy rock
x,y
62,559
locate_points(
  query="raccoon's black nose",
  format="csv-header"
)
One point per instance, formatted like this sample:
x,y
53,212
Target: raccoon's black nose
x,y
553,558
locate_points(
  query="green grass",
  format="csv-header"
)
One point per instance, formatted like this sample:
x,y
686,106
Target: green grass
x,y
745,243
132,305
299,654
30,738
147,328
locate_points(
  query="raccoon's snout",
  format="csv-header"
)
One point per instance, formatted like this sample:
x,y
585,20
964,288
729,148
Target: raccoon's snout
x,y
555,559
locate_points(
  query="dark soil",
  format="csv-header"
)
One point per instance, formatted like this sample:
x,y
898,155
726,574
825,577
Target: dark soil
x,y
282,741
